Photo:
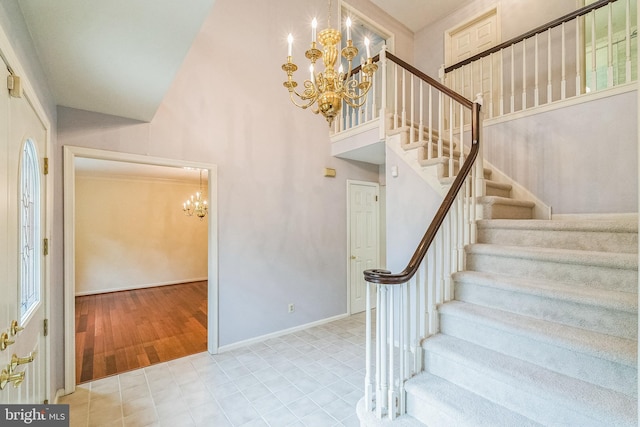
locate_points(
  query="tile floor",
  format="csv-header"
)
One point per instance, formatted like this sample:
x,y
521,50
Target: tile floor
x,y
309,378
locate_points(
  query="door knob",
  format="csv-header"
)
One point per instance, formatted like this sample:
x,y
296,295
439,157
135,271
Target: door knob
x,y
353,257
16,378
5,341
14,329
16,361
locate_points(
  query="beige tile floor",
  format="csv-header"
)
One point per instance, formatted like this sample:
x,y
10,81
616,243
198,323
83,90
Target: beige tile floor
x,y
309,378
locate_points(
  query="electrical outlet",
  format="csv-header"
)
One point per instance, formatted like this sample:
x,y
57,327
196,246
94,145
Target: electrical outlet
x,y
292,308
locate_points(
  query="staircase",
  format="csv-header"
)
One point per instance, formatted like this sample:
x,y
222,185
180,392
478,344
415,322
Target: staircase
x,y
542,329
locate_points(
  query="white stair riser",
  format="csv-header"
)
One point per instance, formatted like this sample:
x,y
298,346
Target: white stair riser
x,y
605,320
625,280
588,241
554,357
531,405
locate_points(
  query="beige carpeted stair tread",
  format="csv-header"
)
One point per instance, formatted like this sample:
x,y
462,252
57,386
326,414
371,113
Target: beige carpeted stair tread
x,y
460,406
616,300
615,349
536,390
564,256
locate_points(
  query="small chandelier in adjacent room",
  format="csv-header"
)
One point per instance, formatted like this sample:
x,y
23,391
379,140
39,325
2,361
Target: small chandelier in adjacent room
x,y
330,87
196,205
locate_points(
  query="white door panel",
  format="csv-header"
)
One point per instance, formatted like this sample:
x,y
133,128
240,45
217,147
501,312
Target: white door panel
x,y
363,240
23,192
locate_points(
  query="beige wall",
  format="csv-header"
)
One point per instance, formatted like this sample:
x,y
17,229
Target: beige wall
x,y
132,233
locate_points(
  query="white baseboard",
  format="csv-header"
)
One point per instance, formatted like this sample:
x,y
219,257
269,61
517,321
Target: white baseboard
x,y
277,334
141,286
59,394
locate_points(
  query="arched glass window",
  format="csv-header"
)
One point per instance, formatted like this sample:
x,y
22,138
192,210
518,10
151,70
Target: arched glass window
x,y
30,234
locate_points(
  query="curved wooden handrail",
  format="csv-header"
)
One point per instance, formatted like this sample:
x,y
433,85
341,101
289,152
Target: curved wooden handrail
x,y
552,24
385,277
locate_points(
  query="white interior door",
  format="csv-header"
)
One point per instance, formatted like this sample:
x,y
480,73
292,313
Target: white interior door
x,y
363,239
469,39
23,190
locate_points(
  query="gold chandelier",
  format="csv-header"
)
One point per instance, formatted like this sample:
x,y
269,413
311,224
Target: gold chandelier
x,y
196,205
331,87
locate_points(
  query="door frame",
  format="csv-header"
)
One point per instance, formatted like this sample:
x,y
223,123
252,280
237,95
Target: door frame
x,y
70,153
10,58
493,10
350,183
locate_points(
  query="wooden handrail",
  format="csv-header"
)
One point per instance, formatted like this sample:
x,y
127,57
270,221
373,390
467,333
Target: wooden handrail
x,y
388,278
430,80
538,30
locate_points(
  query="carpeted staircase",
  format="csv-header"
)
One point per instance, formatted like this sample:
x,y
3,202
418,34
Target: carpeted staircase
x,y
543,328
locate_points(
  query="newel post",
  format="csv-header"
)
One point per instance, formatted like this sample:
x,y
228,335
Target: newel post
x,y
383,96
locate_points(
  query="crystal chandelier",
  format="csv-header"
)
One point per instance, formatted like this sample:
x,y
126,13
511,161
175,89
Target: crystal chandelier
x,y
196,205
331,87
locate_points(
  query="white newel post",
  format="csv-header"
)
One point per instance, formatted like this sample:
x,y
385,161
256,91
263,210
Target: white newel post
x,y
383,95
368,386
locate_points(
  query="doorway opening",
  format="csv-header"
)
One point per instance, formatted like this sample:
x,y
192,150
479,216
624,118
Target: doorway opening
x,y
132,251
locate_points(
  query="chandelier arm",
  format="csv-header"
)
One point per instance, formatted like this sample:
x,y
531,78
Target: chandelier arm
x,y
312,99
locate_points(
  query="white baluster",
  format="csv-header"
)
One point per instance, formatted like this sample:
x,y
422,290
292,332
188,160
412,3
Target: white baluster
x,y
391,405
594,78
368,386
440,122
609,46
451,154
421,124
404,98
491,57
430,113
549,79
381,351
563,83
524,74
628,41
513,80
536,92
395,97
412,134
382,133
501,72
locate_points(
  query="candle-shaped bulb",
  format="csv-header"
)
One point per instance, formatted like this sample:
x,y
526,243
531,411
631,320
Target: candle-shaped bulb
x,y
314,25
366,44
340,69
348,28
290,41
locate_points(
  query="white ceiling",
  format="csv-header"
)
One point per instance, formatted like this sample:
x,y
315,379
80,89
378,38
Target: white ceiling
x,y
417,14
115,57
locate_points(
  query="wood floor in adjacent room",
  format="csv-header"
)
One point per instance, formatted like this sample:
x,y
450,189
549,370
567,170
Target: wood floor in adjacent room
x,y
120,331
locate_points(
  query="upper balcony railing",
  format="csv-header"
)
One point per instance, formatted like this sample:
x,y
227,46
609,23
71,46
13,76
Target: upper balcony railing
x,y
586,51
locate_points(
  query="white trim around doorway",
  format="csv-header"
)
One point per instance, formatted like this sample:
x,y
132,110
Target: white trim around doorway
x,y
70,154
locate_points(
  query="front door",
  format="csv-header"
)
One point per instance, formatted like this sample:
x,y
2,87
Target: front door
x,y
363,239
22,228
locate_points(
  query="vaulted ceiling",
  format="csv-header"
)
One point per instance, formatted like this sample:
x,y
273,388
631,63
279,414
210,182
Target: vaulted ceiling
x,y
119,57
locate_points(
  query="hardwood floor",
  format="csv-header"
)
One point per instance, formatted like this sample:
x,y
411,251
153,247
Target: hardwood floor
x,y
120,331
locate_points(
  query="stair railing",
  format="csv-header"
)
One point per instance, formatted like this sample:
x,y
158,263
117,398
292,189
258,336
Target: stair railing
x,y
588,50
434,117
